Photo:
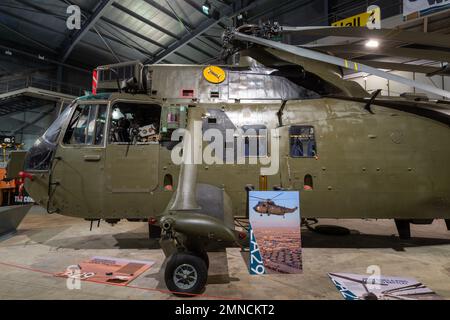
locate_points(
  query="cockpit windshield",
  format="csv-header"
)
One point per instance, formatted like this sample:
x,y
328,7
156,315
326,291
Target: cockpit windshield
x,y
52,133
40,155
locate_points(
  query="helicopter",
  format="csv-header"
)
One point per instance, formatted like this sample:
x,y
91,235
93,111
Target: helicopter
x,y
181,146
269,207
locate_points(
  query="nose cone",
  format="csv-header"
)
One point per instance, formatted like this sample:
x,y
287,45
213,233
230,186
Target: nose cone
x,y
256,208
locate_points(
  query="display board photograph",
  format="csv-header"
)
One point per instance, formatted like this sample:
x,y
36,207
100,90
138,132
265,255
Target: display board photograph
x,y
275,240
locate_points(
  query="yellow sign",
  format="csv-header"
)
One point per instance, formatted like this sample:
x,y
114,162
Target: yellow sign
x,y
214,74
371,19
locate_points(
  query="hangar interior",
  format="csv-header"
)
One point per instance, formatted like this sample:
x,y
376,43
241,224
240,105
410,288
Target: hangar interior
x,y
44,65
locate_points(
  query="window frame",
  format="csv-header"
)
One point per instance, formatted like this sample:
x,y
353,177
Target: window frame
x,y
109,122
66,125
258,135
290,146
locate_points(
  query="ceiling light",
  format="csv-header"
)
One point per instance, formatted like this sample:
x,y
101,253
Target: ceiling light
x,y
371,43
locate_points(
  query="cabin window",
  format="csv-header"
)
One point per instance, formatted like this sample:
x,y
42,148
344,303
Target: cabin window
x,y
87,125
302,141
255,140
135,123
168,182
308,183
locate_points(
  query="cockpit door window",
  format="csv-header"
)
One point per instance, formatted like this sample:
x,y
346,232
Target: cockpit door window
x,y
87,125
135,123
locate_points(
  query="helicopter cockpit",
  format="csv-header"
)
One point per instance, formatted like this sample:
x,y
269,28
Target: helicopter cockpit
x,y
85,125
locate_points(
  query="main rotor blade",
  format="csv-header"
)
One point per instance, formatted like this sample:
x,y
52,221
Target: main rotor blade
x,y
310,54
402,67
430,39
258,198
277,196
435,55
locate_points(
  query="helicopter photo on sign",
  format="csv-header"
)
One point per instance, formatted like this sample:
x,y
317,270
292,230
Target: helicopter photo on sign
x,y
275,240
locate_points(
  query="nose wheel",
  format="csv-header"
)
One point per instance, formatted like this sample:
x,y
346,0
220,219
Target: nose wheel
x,y
185,273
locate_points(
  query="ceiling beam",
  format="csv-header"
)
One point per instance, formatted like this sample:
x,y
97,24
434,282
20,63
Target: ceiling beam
x,y
186,57
57,31
227,12
21,35
134,33
156,26
168,12
144,20
70,43
199,9
47,58
189,27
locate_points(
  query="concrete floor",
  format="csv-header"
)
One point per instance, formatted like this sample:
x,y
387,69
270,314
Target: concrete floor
x,y
46,244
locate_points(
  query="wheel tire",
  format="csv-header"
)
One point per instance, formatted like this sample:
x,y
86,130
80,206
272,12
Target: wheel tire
x,y
204,256
189,265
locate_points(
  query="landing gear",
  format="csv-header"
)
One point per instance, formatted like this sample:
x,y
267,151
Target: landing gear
x,y
185,273
403,228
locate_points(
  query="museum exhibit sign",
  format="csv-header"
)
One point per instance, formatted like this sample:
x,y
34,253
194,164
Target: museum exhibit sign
x,y
275,240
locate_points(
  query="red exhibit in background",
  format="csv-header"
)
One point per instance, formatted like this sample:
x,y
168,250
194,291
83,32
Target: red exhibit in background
x,y
94,82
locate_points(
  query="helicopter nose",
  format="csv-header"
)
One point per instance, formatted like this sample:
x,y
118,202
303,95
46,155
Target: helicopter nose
x,y
255,208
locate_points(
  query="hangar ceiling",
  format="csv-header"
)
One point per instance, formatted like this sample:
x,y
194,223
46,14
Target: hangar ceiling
x,y
168,31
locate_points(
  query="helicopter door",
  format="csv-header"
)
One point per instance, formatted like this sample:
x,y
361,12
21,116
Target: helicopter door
x,y
298,152
132,152
78,160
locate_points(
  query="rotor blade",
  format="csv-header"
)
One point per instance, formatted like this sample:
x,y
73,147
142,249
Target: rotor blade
x,y
258,198
277,196
401,66
310,54
435,55
430,39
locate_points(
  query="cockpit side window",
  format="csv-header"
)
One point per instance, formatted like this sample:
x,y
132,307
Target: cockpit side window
x,y
302,142
135,123
87,125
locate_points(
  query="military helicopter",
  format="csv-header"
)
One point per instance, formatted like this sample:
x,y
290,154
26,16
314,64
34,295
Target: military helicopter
x,y
297,125
268,206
